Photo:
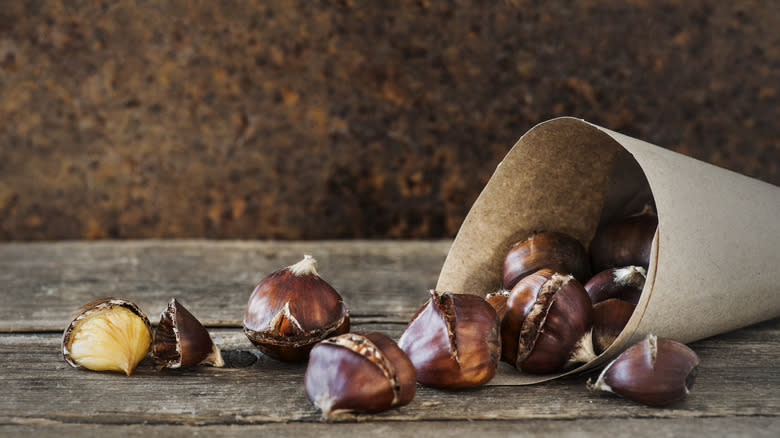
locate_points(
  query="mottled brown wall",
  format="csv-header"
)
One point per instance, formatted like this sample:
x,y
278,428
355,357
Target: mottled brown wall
x,y
331,119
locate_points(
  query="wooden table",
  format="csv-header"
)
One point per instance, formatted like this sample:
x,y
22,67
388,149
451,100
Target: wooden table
x,y
383,282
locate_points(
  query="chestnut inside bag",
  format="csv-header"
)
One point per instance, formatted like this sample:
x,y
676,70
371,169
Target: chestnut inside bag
x,y
716,251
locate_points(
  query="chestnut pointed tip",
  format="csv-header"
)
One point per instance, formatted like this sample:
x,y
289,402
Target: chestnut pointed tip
x,y
306,266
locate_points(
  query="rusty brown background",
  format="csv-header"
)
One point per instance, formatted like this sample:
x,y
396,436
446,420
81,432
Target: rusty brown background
x,y
342,119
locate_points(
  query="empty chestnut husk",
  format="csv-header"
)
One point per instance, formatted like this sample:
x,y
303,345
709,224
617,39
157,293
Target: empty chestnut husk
x,y
453,341
292,309
655,371
625,242
181,340
625,283
107,334
358,373
557,251
609,319
547,326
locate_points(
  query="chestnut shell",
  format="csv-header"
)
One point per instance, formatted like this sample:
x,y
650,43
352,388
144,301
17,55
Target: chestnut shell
x,y
359,372
453,341
624,242
548,249
609,319
654,371
549,318
289,311
625,283
180,340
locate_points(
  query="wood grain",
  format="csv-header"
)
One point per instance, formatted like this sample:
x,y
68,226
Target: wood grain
x,y
379,280
757,427
738,377
737,391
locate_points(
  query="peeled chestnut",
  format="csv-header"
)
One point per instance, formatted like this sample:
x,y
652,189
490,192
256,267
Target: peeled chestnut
x,y
654,371
181,340
358,372
547,326
609,319
292,309
624,242
107,334
498,301
625,283
453,341
557,251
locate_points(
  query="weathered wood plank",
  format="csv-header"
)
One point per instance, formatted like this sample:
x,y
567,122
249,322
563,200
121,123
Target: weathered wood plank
x,y
757,427
42,283
739,377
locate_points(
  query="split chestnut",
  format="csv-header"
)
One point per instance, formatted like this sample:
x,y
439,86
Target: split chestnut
x,y
453,341
292,309
547,326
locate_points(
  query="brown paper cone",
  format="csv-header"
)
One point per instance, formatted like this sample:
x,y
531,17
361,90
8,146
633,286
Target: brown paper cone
x,y
715,263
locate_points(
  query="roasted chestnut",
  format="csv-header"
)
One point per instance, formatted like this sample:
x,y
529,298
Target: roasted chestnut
x,y
107,334
292,309
181,340
547,326
453,341
557,251
625,242
358,373
609,319
625,283
655,371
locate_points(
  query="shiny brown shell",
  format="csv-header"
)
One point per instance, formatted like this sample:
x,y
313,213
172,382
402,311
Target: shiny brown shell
x,y
292,309
453,341
180,340
356,372
552,250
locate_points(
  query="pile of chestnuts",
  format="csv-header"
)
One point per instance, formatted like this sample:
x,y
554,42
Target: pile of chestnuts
x,y
549,315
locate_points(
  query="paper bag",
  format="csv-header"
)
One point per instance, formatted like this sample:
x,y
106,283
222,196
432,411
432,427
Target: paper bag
x,y
715,262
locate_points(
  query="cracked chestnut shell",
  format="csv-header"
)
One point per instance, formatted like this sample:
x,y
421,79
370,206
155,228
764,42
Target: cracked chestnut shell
x,y
357,372
181,340
625,242
292,309
547,326
625,283
107,334
655,371
453,341
609,319
552,250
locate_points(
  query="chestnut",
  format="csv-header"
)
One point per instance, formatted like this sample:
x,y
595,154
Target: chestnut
x,y
181,340
453,341
358,372
625,283
107,334
547,326
655,371
498,301
557,251
292,309
624,242
609,319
